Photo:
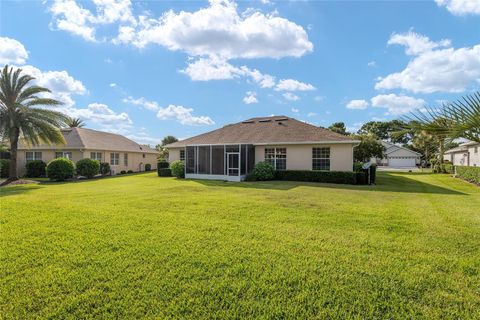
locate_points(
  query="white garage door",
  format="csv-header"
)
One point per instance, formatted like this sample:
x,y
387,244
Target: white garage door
x,y
401,162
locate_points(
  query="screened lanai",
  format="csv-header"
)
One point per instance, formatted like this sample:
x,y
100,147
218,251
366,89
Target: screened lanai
x,y
228,162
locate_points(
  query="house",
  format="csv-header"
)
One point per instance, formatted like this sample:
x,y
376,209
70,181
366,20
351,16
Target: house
x,y
398,156
120,152
466,154
231,152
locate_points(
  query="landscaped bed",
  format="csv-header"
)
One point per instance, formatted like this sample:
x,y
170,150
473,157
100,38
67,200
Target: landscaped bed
x,y
141,246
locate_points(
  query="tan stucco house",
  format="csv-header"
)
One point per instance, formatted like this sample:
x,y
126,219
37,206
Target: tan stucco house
x,y
120,152
466,154
231,152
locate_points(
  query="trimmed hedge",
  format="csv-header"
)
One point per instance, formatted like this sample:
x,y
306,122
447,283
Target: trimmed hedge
x,y
342,177
470,174
129,171
178,169
448,168
60,169
123,172
263,171
162,164
4,168
164,172
88,167
104,168
357,167
148,167
35,169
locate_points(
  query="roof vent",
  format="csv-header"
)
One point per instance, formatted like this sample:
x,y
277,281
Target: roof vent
x,y
248,121
265,120
281,119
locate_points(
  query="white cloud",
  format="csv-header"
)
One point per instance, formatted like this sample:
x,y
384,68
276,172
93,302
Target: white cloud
x,y
358,104
293,85
12,52
150,105
212,68
319,98
290,96
397,105
219,30
460,7
312,114
295,110
250,98
435,69
355,127
415,43
372,64
263,80
112,85
183,115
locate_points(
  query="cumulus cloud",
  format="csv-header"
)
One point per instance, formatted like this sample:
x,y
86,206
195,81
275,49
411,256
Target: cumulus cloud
x,y
290,96
460,7
357,104
293,85
295,110
397,104
434,68
250,98
12,52
142,102
220,30
182,115
415,43
100,113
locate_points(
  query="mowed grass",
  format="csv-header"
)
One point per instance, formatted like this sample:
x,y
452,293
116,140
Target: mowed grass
x,y
140,246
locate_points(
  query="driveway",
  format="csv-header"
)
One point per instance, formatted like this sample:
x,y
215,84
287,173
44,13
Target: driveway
x,y
399,169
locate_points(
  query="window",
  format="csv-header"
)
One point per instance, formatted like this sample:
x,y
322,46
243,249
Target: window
x,y
33,155
277,157
321,158
96,156
62,154
182,155
114,159
125,159
475,150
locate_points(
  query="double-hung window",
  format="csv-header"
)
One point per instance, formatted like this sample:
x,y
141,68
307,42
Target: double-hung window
x,y
33,155
63,154
125,159
96,156
321,158
277,157
182,154
114,159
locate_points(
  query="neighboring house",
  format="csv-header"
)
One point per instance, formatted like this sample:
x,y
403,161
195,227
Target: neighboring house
x,y
467,154
231,152
398,156
120,152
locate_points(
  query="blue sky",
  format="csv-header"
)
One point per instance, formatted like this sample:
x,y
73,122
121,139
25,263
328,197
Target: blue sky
x,y
152,68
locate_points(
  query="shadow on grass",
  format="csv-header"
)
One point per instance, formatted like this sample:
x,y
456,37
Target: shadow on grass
x,y
386,182
17,189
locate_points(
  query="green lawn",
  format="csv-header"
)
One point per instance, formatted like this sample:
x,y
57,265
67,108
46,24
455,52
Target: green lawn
x,y
140,246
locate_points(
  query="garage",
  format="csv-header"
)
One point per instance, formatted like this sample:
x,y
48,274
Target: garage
x,y
401,162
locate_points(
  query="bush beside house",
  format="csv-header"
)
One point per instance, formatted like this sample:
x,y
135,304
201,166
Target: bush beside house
x,y
470,174
164,172
104,168
4,168
178,169
148,167
262,171
60,169
342,177
88,167
35,169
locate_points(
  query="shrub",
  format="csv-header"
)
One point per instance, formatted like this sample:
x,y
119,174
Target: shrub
x,y
60,169
35,169
123,172
163,164
357,166
343,177
148,167
263,171
164,172
88,167
448,168
470,174
178,169
4,168
129,171
104,168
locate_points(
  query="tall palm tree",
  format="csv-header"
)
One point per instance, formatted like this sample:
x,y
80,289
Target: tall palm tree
x,y
74,123
21,117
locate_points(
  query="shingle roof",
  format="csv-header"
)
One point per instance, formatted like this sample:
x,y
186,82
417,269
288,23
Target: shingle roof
x,y
266,130
82,138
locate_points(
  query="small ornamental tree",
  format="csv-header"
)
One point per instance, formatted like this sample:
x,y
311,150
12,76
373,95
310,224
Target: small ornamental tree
x,y
35,168
178,169
88,167
263,171
60,169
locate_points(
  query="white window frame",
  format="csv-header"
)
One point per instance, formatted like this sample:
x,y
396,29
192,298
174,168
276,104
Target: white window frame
x,y
65,154
114,158
180,156
36,155
276,157
321,158
96,156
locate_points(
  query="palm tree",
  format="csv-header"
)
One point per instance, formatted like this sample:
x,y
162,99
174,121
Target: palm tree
x,y
20,117
74,123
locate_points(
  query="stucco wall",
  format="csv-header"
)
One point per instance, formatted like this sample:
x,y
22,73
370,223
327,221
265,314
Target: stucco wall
x,y
174,154
299,157
474,157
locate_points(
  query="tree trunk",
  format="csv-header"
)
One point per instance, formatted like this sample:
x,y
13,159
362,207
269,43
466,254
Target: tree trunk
x,y
13,154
